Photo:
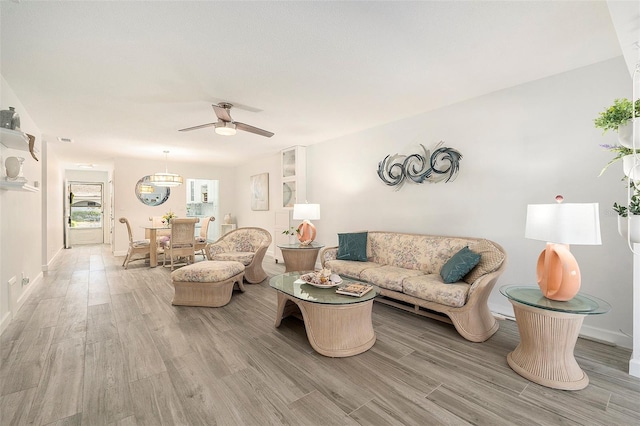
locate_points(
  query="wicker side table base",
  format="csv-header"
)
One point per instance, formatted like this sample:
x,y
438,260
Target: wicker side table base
x,y
545,352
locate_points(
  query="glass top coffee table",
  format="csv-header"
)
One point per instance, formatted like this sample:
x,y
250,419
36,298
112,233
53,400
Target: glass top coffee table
x,y
337,325
548,333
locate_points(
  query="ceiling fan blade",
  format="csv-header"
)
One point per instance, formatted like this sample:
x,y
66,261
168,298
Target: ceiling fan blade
x,y
221,112
247,128
202,126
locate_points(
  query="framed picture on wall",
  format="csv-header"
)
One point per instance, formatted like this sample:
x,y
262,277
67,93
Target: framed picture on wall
x,y
288,194
289,163
260,192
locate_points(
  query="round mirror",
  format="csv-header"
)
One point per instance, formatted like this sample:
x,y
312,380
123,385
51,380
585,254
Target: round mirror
x,y
150,194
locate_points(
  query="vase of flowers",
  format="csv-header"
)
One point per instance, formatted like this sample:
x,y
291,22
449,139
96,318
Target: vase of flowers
x,y
292,233
168,217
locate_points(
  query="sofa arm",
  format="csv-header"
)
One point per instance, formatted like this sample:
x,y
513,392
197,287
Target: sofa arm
x,y
328,253
216,248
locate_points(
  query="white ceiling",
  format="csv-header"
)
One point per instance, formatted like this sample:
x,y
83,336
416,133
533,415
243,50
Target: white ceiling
x,y
120,78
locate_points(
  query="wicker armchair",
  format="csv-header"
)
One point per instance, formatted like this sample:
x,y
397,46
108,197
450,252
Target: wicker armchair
x,y
245,245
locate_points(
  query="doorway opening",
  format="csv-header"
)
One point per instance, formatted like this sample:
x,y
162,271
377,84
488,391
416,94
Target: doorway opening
x,y
86,213
202,201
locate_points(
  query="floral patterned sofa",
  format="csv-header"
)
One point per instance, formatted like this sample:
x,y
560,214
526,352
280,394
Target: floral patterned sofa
x,y
245,245
407,268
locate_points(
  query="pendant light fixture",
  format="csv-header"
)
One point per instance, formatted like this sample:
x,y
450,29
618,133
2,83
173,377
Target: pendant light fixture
x,y
165,178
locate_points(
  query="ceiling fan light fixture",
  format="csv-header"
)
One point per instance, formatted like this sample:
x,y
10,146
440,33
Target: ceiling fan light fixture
x,y
165,178
226,129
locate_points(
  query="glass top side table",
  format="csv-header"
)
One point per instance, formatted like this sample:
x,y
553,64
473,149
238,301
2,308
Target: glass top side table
x,y
549,330
298,257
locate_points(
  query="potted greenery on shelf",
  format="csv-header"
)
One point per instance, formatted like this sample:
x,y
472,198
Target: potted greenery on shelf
x,y
618,114
618,117
629,216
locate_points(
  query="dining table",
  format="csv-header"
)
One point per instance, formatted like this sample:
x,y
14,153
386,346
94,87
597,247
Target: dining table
x,y
153,236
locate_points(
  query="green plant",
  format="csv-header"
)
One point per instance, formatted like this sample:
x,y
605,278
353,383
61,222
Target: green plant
x,y
620,151
621,210
634,203
617,115
292,231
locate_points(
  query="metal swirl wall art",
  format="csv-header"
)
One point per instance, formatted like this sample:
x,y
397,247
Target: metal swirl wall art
x,y
441,165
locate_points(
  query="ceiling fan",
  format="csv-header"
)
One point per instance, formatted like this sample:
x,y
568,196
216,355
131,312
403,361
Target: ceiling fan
x,y
226,125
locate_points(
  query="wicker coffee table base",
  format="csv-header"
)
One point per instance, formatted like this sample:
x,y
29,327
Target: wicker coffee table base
x,y
332,330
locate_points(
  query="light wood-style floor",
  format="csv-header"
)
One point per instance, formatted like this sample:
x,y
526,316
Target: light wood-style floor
x,y
97,345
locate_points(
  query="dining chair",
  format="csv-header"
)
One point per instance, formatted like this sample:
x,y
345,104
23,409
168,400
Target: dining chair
x,y
201,240
135,247
162,235
182,242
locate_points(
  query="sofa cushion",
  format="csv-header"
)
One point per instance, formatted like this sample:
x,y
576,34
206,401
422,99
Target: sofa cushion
x,y
490,259
459,265
432,288
352,246
238,256
426,253
389,277
349,268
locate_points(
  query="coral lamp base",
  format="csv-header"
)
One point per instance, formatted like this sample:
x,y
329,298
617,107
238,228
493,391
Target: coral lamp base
x,y
558,273
306,233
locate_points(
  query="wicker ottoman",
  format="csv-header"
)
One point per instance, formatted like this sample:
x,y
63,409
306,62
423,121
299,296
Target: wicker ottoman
x,y
208,283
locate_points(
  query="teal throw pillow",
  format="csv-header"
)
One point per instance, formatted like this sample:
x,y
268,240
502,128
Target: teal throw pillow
x,y
459,265
352,246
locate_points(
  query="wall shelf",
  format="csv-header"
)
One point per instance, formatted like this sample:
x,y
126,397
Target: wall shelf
x,y
17,186
14,139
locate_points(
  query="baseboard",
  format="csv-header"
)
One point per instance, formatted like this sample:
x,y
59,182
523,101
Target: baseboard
x,y
634,367
45,268
6,320
608,337
30,288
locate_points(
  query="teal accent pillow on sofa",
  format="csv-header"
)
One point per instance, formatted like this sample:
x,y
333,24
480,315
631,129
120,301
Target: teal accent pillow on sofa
x,y
459,265
352,246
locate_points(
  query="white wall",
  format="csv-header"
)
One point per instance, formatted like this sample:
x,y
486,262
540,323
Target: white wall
x,y
20,219
520,146
53,207
128,171
243,213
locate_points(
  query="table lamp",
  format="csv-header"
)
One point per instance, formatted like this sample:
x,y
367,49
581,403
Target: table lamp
x,y
306,213
560,225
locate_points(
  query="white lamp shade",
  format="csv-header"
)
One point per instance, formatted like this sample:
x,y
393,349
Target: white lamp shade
x,y
166,179
571,223
306,211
